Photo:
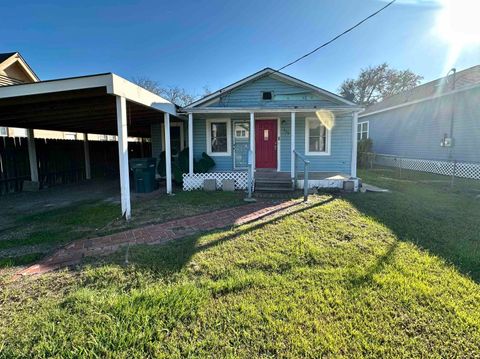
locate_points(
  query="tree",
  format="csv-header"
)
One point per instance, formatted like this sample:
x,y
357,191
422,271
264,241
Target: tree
x,y
175,94
375,83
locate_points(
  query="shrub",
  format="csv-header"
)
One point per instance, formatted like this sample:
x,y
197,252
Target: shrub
x,y
180,165
205,164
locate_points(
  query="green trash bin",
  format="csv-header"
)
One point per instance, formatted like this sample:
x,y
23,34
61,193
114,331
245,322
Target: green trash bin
x,y
143,174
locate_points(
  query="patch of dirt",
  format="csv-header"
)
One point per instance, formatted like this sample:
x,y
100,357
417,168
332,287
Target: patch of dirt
x,y
26,203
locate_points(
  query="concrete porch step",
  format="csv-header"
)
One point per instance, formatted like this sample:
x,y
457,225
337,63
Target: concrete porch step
x,y
271,175
272,181
260,181
273,189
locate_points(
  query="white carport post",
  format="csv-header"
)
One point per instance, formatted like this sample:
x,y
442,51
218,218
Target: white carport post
x,y
168,154
353,171
86,150
190,143
123,155
292,145
32,155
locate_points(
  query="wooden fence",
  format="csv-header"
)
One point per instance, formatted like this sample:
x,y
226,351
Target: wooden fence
x,y
60,161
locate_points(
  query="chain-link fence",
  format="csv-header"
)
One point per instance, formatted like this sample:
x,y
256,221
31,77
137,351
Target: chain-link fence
x,y
452,168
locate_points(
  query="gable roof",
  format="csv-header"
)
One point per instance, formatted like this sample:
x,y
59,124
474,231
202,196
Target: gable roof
x,y
6,61
264,73
464,79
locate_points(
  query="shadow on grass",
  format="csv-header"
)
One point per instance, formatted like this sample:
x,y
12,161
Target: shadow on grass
x,y
32,236
172,257
445,224
20,260
378,267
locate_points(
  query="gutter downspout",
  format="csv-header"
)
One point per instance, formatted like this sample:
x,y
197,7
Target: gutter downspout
x,y
452,113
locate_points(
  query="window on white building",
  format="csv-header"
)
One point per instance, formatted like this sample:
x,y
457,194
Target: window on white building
x,y
362,130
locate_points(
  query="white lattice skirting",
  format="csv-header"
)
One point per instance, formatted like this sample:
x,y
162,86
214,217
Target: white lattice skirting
x,y
459,169
195,181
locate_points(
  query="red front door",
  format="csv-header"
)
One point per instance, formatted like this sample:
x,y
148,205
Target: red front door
x,y
266,143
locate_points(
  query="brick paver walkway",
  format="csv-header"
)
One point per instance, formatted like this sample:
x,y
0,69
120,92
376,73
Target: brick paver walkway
x,y
156,234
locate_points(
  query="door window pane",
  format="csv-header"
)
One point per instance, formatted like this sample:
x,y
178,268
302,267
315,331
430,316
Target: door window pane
x,y
241,130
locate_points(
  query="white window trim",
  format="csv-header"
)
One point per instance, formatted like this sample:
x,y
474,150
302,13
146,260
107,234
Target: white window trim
x,y
182,139
307,143
209,137
368,128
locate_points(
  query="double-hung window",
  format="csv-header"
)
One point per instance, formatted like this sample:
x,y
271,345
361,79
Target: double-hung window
x,y
219,141
362,130
317,137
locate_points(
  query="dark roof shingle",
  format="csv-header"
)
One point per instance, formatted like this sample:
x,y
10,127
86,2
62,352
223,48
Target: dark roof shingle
x,y
6,55
464,78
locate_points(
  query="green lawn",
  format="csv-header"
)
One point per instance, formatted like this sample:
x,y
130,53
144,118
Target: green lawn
x,y
33,235
425,210
357,275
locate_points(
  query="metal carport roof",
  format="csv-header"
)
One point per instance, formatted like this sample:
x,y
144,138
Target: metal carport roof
x,y
103,104
81,104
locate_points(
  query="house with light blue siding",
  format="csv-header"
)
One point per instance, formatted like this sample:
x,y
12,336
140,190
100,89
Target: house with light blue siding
x,y
437,121
274,124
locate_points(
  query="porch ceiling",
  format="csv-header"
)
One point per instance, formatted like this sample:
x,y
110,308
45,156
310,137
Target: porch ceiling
x,y
84,110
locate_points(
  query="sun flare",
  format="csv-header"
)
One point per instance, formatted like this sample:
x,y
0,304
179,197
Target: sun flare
x,y
326,118
458,23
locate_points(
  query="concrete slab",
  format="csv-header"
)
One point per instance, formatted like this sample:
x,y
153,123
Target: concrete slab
x,y
209,185
369,188
228,185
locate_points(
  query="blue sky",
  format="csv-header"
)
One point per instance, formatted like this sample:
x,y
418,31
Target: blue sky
x,y
216,42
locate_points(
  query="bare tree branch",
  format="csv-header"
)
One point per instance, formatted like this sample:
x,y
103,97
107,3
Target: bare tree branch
x,y
175,94
375,83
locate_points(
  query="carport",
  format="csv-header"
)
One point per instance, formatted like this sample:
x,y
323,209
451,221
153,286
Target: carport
x,y
99,104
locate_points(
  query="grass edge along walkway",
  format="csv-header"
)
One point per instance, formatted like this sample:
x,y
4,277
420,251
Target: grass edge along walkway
x,y
75,251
